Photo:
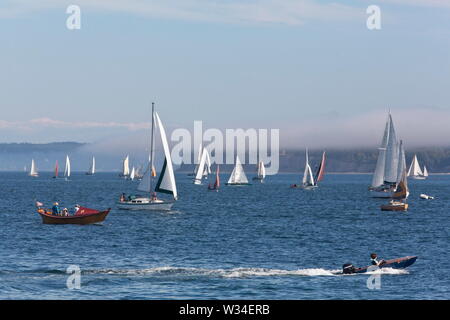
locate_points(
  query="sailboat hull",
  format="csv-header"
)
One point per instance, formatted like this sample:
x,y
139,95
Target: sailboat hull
x,y
146,204
418,177
395,206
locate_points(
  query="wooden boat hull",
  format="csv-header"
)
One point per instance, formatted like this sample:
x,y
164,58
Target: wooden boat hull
x,y
90,218
399,263
395,207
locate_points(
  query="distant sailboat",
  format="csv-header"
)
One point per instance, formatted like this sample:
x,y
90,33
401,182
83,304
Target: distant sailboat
x,y
238,176
203,167
33,170
216,185
67,168
415,172
261,172
132,174
56,170
91,170
309,180
125,167
386,174
166,182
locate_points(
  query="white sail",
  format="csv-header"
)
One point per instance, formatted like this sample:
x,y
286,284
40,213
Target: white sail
x,y
391,165
308,178
238,175
207,169
414,168
202,167
67,168
33,170
199,157
133,173
92,168
166,182
261,170
378,175
126,166
425,171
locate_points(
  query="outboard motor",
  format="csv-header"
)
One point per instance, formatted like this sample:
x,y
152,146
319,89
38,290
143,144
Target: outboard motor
x,y
348,268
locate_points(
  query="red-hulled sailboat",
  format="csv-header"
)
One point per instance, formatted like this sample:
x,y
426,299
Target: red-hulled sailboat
x,y
56,170
216,185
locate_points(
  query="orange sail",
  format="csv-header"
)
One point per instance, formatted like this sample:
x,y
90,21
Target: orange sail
x,y
56,169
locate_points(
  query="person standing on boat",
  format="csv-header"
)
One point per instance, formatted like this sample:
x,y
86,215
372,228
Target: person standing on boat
x,y
55,209
374,260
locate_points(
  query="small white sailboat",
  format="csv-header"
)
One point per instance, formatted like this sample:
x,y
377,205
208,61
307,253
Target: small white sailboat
x,y
91,170
202,167
166,181
415,171
125,167
238,176
386,171
309,180
261,172
33,170
67,168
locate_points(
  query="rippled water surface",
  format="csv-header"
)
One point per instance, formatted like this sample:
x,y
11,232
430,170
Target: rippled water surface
x,y
264,241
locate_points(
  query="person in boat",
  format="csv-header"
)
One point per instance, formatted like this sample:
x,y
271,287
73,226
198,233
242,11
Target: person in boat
x,y
374,260
65,212
55,209
77,207
154,197
122,197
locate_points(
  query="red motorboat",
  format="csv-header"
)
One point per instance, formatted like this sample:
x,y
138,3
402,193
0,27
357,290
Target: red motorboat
x,y
82,216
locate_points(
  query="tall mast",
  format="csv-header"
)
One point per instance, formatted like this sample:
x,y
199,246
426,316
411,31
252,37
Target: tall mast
x,y
151,146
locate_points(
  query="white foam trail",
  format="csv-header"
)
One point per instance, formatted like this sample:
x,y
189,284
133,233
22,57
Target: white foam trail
x,y
225,273
388,271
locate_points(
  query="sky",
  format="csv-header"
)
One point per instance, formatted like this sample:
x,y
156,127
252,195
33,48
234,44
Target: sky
x,y
310,68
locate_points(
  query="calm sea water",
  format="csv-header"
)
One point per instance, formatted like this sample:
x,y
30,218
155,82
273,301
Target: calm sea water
x,y
264,241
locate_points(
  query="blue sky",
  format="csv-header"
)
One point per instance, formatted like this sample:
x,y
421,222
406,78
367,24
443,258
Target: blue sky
x,y
310,68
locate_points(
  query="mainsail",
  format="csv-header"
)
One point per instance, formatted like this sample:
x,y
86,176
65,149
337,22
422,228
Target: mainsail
x,y
386,170
414,168
308,179
238,175
261,174
92,168
56,169
67,168
401,162
201,167
133,173
321,170
126,166
33,170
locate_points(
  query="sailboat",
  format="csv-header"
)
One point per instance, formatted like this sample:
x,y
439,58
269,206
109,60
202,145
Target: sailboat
x,y
203,167
216,185
56,170
125,167
261,172
415,172
132,174
384,179
67,168
309,180
401,193
33,170
91,170
238,176
166,182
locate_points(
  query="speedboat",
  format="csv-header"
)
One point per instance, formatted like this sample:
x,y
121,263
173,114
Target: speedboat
x,y
399,263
